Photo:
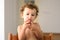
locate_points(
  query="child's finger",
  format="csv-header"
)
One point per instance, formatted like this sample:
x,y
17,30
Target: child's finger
x,y
28,21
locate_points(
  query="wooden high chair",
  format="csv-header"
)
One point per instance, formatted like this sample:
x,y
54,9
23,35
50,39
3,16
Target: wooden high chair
x,y
48,36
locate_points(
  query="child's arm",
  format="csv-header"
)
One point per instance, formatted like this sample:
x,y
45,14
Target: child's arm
x,y
38,32
21,33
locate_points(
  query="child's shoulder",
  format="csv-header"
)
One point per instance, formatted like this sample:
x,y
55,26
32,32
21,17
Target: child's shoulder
x,y
19,27
37,24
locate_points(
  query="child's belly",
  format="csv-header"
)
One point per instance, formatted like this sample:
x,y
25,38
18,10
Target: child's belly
x,y
31,38
29,35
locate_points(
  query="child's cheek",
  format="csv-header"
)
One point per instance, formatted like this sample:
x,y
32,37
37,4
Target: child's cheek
x,y
25,18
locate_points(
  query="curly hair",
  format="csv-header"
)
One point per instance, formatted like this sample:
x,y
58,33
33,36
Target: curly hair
x,y
31,6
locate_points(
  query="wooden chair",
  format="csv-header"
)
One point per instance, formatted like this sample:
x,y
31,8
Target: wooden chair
x,y
48,36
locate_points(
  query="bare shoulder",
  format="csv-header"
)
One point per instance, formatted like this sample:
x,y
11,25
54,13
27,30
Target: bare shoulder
x,y
38,27
19,27
37,24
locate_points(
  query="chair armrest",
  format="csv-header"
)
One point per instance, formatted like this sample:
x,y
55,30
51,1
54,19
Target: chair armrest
x,y
9,36
12,37
48,36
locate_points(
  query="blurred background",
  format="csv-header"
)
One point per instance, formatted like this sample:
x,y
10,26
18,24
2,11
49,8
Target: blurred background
x,y
48,18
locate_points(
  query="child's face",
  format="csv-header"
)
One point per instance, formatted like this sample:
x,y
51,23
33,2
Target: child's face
x,y
29,14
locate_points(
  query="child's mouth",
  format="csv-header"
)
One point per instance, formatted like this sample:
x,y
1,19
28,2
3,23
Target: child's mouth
x,y
29,22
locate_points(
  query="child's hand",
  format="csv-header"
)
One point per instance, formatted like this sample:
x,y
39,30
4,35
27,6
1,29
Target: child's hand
x,y
27,24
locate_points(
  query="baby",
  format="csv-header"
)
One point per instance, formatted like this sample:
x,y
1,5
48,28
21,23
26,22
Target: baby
x,y
29,30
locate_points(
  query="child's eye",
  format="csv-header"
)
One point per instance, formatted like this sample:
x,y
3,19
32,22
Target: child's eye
x,y
27,14
32,14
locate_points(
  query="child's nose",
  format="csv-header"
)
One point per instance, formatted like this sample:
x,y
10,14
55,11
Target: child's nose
x,y
30,17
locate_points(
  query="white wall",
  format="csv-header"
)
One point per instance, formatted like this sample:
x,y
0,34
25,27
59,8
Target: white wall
x,y
10,17
1,19
49,16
